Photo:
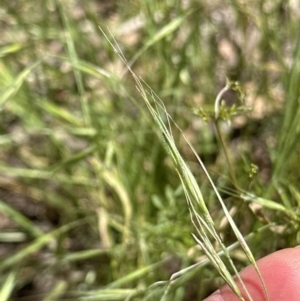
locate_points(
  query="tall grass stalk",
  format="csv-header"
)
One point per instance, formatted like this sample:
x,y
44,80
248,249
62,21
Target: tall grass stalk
x,y
200,216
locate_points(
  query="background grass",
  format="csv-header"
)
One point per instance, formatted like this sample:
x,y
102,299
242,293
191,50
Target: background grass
x,y
91,206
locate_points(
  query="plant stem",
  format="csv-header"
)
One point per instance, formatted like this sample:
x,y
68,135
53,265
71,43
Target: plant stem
x,y
221,138
223,144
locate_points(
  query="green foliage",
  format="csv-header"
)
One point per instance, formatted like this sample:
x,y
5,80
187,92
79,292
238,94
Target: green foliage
x,y
108,191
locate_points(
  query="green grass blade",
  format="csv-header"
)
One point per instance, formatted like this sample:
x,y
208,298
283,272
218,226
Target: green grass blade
x,y
20,219
14,87
60,113
290,129
162,33
75,158
74,61
57,291
108,295
138,274
46,175
37,244
8,49
7,287
13,237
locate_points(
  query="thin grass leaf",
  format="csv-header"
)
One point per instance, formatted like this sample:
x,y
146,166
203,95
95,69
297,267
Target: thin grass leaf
x,y
74,159
162,33
269,204
56,132
46,175
37,244
290,129
8,49
20,219
74,61
138,274
13,237
108,295
8,286
264,202
89,68
14,87
60,113
57,291
111,177
84,132
295,193
285,198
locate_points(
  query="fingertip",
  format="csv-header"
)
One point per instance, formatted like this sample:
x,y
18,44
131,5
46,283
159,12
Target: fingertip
x,y
215,297
281,274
